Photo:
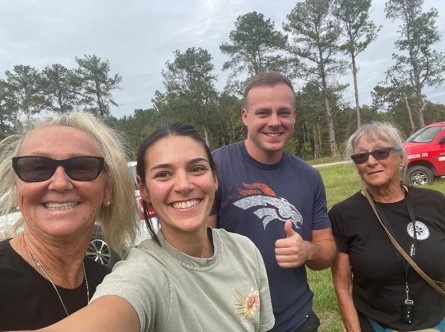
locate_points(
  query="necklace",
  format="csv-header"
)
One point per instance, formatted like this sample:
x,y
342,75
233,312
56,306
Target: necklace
x,y
40,266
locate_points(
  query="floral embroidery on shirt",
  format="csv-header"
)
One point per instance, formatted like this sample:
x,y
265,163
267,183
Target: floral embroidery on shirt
x,y
246,306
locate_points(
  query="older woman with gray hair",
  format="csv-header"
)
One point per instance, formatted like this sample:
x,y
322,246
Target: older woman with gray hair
x,y
377,289
65,175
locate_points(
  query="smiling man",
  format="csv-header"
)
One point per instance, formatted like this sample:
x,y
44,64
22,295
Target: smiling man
x,y
275,199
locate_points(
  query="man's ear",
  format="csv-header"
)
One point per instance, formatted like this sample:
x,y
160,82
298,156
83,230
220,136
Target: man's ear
x,y
244,116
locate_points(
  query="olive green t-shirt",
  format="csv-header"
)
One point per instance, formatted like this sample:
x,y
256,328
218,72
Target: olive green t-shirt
x,y
172,291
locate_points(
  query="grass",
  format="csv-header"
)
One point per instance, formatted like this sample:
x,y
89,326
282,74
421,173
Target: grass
x,y
341,181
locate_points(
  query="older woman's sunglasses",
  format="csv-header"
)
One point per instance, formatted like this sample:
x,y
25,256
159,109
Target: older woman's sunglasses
x,y
37,169
378,154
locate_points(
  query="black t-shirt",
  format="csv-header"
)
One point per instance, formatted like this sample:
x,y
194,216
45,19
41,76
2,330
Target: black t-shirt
x,y
29,301
379,270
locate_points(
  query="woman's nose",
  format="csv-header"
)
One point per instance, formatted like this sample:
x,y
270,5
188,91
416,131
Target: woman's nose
x,y
60,180
182,182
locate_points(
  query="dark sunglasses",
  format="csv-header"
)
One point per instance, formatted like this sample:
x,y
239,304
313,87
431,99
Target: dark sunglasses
x,y
37,169
378,154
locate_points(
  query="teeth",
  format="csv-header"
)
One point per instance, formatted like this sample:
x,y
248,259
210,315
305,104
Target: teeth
x,y
185,205
60,206
273,135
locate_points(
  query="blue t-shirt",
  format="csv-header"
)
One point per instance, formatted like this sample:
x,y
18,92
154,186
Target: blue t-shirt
x,y
255,200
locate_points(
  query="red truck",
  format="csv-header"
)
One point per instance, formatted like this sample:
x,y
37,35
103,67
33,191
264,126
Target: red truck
x,y
426,154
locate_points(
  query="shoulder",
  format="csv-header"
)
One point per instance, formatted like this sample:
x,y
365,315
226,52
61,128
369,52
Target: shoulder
x,y
5,247
349,203
228,150
298,162
8,257
420,192
427,198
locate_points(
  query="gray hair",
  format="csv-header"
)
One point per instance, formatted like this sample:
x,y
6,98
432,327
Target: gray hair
x,y
378,130
119,220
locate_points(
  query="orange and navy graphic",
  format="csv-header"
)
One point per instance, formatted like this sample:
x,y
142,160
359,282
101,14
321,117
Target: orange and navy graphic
x,y
265,204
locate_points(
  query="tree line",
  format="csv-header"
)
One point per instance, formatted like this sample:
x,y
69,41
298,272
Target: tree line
x,y
318,36
25,91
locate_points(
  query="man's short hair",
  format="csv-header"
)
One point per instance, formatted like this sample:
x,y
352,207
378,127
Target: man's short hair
x,y
269,78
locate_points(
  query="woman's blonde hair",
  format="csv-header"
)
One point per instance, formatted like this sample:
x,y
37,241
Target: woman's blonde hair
x,y
118,221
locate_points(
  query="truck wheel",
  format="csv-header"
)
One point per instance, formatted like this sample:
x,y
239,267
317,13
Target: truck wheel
x,y
419,175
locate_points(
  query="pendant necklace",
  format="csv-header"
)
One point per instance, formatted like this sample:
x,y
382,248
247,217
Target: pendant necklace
x,y
40,266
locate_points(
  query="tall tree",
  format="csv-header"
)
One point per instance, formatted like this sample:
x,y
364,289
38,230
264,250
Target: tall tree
x,y
400,88
93,76
255,46
395,100
358,32
190,92
228,127
310,108
314,38
24,91
418,61
8,112
60,89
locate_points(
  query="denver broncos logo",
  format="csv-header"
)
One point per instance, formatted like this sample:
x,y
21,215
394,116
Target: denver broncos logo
x,y
271,208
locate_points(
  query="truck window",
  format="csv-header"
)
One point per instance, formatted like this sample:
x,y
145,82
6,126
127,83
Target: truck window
x,y
425,135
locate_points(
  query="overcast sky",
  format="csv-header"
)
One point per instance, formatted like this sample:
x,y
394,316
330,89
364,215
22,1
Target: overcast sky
x,y
139,36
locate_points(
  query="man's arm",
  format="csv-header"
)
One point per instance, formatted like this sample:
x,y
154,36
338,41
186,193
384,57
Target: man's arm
x,y
324,249
317,254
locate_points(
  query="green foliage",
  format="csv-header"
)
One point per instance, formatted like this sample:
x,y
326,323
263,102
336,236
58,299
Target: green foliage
x,y
8,111
190,93
314,40
61,92
417,64
314,37
325,301
135,127
93,76
24,93
254,46
358,32
317,34
227,126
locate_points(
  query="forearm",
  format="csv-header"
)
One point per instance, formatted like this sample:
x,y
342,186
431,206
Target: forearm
x,y
342,278
108,313
322,250
347,309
